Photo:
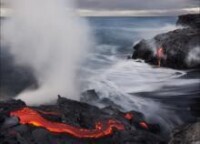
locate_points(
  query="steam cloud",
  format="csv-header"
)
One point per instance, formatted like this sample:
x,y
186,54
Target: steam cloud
x,y
47,36
193,57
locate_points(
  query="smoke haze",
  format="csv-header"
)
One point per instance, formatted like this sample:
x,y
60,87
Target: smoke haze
x,y
193,57
47,36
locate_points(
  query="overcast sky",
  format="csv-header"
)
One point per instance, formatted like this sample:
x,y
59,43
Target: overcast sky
x,y
137,7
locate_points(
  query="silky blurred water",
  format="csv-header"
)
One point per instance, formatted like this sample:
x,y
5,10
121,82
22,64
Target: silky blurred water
x,y
164,95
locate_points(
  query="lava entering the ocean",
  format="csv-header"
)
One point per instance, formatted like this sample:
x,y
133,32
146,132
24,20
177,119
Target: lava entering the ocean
x,y
30,116
160,55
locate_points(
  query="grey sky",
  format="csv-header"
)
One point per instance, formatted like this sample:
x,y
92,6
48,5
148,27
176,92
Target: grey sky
x,y
163,7
135,7
136,4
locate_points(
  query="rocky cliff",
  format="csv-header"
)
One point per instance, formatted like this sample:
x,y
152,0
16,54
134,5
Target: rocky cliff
x,y
190,20
187,134
181,47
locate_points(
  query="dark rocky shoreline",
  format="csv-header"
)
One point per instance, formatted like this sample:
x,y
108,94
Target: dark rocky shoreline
x,y
76,114
82,115
181,47
187,134
191,20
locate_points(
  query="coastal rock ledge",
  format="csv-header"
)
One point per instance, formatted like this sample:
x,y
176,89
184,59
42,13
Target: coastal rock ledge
x,y
188,134
181,47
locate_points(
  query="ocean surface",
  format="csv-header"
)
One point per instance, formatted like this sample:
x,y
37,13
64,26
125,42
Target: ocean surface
x,y
166,96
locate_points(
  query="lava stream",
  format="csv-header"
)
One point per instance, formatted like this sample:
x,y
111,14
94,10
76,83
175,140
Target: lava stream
x,y
30,116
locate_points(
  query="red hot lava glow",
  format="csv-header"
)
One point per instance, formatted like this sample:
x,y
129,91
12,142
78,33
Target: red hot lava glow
x,y
160,53
128,116
144,125
32,117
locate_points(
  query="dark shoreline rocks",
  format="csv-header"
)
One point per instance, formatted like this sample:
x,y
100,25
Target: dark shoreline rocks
x,y
77,114
83,115
181,47
190,20
187,134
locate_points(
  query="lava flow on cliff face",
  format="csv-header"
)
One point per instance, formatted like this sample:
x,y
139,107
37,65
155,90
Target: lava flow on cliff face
x,y
32,117
160,55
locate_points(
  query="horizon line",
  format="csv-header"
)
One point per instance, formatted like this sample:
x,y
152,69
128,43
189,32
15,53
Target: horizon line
x,y
4,12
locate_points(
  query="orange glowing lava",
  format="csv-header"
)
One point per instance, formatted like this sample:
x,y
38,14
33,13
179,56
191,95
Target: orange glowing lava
x,y
144,125
32,117
128,116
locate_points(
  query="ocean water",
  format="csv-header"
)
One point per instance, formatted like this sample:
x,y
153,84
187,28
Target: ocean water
x,y
164,95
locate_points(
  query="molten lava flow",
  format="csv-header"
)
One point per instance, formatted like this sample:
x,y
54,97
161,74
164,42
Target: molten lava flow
x,y
160,55
30,116
128,116
144,125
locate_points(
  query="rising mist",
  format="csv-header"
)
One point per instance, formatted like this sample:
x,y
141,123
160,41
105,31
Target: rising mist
x,y
48,37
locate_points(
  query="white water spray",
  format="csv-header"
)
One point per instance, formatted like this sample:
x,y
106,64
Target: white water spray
x,y
49,37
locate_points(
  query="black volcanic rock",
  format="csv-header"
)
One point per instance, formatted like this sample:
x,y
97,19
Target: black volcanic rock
x,y
77,114
191,20
187,134
181,48
143,50
6,107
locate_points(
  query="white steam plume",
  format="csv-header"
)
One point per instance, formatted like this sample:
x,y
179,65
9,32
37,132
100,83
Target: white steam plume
x,y
49,37
193,57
